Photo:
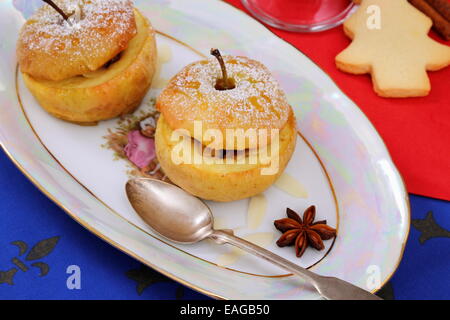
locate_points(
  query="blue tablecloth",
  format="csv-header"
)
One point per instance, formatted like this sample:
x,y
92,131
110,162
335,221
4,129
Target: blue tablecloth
x,y
40,245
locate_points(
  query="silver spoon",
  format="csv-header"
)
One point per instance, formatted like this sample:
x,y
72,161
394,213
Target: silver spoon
x,y
183,218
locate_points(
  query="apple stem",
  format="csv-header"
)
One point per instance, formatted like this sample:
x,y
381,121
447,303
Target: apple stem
x,y
216,53
225,83
62,13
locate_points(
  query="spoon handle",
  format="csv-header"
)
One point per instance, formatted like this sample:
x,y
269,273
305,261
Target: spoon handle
x,y
329,287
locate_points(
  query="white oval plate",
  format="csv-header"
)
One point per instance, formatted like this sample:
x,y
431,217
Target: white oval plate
x,y
340,164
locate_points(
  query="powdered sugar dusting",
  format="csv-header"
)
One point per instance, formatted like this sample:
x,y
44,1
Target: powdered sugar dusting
x,y
256,102
92,24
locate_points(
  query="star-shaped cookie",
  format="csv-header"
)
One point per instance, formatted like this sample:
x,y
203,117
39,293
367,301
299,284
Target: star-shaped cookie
x,y
390,42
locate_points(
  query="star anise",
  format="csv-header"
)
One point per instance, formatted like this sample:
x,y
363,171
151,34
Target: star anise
x,y
303,232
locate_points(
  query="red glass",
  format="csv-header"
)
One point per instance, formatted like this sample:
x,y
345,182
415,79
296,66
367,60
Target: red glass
x,y
300,15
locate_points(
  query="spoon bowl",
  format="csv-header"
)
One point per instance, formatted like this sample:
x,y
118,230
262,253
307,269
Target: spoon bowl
x,y
170,211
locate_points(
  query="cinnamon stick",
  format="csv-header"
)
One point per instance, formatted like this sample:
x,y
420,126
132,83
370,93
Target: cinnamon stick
x,y
441,24
441,6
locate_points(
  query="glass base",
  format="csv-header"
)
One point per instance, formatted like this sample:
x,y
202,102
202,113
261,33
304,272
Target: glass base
x,y
301,15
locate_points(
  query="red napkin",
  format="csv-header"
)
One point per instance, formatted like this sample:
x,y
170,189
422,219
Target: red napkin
x,y
416,130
